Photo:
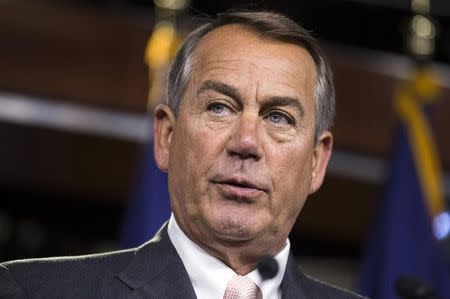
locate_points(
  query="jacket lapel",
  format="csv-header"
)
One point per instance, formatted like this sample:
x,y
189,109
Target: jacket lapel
x,y
156,271
292,286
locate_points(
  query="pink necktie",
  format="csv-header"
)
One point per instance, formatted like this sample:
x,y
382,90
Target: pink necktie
x,y
241,287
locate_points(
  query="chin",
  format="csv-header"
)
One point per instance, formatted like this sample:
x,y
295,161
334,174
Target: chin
x,y
231,227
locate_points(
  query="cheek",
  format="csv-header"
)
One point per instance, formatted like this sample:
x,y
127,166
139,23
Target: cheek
x,y
194,150
292,180
292,172
184,151
198,147
292,162
183,175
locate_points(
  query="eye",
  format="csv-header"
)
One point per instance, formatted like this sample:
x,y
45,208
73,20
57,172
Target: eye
x,y
219,109
216,108
279,118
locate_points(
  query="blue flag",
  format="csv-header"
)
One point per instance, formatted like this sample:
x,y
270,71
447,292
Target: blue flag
x,y
401,240
148,207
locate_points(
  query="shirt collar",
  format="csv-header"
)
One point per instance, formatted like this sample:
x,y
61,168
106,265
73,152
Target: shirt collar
x,y
210,276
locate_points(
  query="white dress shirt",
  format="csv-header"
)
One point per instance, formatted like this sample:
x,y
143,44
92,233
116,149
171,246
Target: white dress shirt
x,y
210,276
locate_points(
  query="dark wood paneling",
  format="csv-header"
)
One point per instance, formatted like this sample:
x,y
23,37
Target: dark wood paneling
x,y
60,162
365,119
89,56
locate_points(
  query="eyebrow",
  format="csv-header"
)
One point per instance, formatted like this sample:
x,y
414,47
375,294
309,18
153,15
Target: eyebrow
x,y
219,87
284,101
232,92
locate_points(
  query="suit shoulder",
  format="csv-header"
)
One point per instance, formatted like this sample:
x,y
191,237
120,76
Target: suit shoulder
x,y
87,271
108,259
325,290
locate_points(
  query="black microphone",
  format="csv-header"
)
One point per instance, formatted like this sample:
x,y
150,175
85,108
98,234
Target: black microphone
x,y
409,287
268,267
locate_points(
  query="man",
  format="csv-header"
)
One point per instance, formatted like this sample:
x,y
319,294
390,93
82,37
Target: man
x,y
245,139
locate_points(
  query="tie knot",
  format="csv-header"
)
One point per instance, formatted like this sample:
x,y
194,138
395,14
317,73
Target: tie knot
x,y
241,287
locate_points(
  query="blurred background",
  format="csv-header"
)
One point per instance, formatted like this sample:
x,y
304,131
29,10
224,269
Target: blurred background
x,y
74,119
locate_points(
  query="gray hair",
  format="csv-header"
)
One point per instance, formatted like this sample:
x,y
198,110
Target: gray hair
x,y
270,25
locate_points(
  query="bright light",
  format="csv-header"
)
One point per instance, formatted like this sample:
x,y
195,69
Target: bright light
x,y
423,27
441,225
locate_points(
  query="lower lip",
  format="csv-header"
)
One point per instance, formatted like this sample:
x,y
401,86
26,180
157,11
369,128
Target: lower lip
x,y
235,192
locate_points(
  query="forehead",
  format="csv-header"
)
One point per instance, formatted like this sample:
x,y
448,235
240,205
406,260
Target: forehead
x,y
241,54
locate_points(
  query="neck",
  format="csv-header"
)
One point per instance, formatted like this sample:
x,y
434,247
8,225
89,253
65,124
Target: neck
x,y
242,256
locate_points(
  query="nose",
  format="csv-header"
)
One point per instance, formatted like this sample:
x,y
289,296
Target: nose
x,y
245,141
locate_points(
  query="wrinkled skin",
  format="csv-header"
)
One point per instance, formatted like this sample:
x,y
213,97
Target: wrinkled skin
x,y
241,155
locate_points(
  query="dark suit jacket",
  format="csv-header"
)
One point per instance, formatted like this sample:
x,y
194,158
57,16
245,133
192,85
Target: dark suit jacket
x,y
153,270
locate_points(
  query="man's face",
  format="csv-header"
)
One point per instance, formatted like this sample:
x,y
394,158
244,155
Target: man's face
x,y
241,156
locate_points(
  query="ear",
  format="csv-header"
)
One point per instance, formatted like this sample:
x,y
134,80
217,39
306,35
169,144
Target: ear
x,y
163,125
321,156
